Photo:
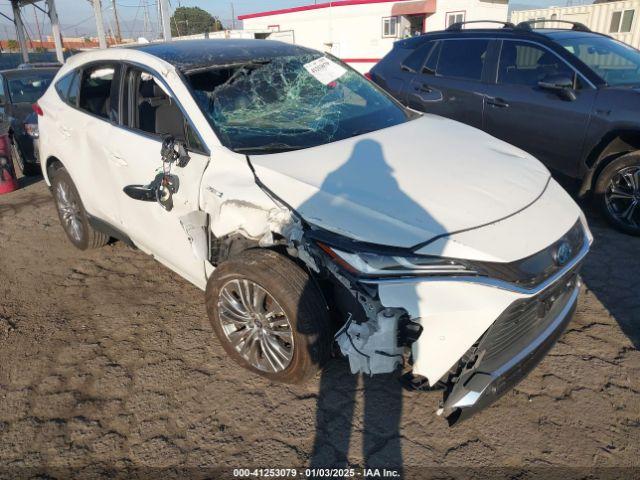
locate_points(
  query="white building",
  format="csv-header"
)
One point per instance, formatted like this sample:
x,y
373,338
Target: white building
x,y
361,32
618,19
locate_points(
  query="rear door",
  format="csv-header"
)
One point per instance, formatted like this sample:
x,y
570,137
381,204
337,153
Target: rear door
x,y
82,130
541,122
450,83
149,113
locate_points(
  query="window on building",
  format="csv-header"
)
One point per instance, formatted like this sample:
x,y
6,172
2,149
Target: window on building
x,y
621,21
390,27
462,59
454,17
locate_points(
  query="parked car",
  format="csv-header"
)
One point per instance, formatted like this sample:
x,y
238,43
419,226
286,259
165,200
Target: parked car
x,y
20,88
569,97
309,204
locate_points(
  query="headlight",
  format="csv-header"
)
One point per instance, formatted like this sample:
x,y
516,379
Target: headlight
x,y
376,265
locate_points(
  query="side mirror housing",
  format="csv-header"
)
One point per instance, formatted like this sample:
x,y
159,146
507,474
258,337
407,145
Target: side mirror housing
x,y
560,84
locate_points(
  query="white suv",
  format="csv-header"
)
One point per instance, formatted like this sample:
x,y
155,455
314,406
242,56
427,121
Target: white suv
x,y
310,206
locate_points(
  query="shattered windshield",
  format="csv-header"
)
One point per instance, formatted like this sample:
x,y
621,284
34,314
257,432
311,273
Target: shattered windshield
x,y
292,102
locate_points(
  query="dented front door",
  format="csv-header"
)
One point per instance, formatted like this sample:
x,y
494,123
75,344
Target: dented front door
x,y
154,228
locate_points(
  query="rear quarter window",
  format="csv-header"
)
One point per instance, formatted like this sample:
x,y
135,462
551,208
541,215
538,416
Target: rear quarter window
x,y
63,86
416,59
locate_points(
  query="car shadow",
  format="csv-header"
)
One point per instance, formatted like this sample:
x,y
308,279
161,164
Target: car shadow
x,y
364,179
611,272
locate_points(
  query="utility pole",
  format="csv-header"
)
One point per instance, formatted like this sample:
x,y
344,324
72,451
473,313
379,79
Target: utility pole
x,y
35,16
22,41
165,20
233,17
97,10
117,20
55,30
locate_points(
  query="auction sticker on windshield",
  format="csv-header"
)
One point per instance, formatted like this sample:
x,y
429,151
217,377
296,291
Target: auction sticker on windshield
x,y
325,70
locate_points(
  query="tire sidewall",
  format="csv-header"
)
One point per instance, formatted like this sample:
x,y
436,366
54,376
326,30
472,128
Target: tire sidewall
x,y
604,179
62,176
302,359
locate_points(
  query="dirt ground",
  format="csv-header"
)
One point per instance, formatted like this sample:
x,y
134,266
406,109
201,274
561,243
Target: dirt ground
x,y
107,363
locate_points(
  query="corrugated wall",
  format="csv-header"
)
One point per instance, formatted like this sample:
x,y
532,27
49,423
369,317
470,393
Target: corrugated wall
x,y
596,16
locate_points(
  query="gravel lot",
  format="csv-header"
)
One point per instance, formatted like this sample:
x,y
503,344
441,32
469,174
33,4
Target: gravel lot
x,y
107,362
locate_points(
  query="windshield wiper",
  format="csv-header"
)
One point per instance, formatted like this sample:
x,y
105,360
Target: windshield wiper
x,y
270,147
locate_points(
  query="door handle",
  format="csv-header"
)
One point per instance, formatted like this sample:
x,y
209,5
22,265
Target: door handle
x,y
497,102
424,88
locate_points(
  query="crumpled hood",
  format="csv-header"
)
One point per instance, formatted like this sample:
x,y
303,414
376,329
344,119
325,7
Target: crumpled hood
x,y
406,184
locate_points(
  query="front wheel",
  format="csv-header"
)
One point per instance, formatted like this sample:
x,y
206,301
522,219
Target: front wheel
x,y
617,192
269,316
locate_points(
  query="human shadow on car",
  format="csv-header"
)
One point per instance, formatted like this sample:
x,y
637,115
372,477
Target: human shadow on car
x,y
366,180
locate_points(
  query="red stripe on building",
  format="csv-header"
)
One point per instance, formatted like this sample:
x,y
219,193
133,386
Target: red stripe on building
x,y
339,3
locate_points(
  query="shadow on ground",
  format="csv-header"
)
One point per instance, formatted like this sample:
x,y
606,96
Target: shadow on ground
x,y
612,272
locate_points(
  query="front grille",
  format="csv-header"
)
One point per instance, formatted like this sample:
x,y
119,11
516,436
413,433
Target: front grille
x,y
522,322
533,270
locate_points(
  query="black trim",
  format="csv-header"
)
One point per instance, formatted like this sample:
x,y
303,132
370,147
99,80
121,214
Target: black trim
x,y
110,230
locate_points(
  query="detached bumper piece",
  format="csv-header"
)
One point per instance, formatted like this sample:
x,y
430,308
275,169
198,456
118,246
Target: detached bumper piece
x,y
511,348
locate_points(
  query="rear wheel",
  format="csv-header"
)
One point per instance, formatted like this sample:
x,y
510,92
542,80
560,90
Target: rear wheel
x,y
72,214
618,193
269,316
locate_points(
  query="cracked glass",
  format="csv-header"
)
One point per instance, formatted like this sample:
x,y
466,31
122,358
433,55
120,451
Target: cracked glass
x,y
282,103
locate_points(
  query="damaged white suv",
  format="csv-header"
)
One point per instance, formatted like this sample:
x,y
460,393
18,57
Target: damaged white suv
x,y
312,207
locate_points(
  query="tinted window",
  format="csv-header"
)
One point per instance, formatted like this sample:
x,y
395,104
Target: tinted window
x,y
615,62
462,59
527,64
28,89
95,90
74,89
432,61
416,59
62,85
148,107
2,88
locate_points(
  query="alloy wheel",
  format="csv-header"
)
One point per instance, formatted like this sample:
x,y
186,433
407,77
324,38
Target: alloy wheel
x,y
256,325
623,196
70,211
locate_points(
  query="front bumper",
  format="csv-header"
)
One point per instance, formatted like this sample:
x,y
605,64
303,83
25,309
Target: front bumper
x,y
511,348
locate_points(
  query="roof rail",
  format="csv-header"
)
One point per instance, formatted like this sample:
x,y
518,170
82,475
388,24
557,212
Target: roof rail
x,y
577,26
457,26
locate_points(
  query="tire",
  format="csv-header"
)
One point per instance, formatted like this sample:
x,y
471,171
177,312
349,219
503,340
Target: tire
x,y
289,289
71,212
617,193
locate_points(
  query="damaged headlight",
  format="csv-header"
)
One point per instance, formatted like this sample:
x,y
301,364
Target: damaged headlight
x,y
371,264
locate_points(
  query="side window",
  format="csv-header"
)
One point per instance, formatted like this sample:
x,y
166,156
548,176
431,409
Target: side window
x,y
149,108
2,95
95,89
62,85
74,90
462,59
527,64
416,59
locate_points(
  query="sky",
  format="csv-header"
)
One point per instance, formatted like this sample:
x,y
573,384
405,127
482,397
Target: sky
x,y
76,16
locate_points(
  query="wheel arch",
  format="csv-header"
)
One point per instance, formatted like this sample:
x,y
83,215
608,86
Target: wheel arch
x,y
51,164
613,145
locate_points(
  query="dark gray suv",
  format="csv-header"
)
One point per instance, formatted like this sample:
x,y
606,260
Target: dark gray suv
x,y
571,97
